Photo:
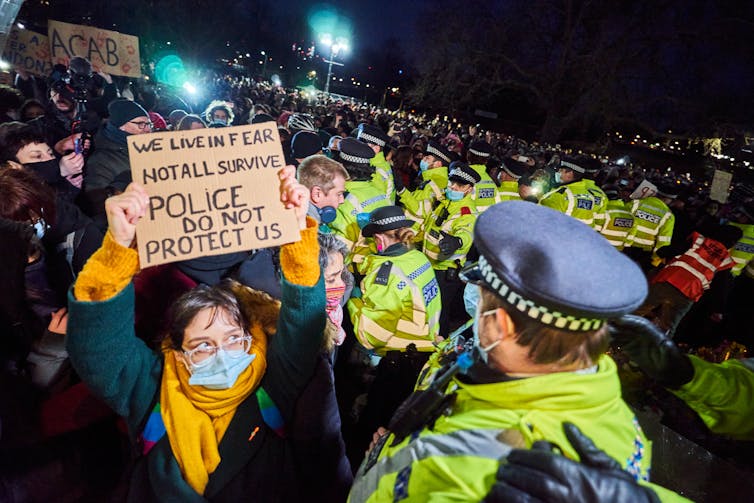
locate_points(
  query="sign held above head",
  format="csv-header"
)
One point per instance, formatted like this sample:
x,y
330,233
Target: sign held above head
x,y
211,191
109,51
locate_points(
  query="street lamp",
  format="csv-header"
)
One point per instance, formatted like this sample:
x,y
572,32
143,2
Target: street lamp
x,y
337,45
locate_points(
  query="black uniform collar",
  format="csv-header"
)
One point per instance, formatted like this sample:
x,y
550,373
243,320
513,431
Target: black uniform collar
x,y
393,250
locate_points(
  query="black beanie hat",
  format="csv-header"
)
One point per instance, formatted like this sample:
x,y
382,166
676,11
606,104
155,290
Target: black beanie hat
x,y
123,110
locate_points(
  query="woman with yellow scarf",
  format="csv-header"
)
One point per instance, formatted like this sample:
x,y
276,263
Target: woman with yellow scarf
x,y
209,413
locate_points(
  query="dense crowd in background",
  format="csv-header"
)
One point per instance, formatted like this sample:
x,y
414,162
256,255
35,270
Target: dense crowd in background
x,y
395,196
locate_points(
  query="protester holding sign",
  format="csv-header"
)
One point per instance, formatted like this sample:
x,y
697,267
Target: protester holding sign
x,y
210,412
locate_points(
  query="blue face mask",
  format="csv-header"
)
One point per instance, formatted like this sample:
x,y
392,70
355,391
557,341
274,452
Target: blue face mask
x,y
558,178
424,165
471,298
222,371
362,219
453,195
40,227
483,352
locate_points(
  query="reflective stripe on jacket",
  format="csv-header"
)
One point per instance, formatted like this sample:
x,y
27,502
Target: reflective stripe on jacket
x,y
619,222
457,458
573,199
400,304
485,191
692,271
743,252
456,218
653,224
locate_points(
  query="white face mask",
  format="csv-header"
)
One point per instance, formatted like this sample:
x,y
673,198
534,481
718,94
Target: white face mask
x,y
483,352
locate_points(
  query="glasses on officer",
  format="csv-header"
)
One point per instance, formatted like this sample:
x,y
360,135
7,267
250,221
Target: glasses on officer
x,y
205,353
142,125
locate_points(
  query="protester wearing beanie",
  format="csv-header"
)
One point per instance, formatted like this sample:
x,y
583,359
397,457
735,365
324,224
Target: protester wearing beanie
x,y
109,159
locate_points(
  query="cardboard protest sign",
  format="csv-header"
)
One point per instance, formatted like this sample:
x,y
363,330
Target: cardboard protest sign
x,y
108,51
720,186
645,189
29,51
211,191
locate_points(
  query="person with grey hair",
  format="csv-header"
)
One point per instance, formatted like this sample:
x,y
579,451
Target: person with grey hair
x,y
316,430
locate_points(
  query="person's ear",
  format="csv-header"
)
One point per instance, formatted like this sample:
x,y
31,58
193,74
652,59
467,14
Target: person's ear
x,y
317,194
504,323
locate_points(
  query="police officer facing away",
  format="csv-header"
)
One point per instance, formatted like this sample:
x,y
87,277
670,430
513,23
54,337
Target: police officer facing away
x,y
541,331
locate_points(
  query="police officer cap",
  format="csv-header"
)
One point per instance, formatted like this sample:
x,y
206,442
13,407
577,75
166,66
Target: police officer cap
x,y
576,164
436,149
305,143
590,164
385,219
667,188
354,151
372,135
514,168
552,268
461,172
480,148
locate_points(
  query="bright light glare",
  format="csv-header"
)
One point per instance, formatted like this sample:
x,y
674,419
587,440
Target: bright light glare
x,y
4,65
326,39
189,87
21,26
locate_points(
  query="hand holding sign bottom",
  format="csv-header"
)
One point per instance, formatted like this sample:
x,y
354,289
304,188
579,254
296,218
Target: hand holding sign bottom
x,y
293,194
124,211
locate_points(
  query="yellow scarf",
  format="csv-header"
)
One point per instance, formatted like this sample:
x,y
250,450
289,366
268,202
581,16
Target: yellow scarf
x,y
196,417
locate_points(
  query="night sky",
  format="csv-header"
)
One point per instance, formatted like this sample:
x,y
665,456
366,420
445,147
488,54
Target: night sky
x,y
373,22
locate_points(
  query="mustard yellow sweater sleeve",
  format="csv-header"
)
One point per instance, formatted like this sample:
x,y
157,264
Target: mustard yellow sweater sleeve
x,y
300,260
108,271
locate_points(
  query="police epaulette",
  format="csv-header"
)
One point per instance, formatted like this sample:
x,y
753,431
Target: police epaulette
x,y
383,275
561,190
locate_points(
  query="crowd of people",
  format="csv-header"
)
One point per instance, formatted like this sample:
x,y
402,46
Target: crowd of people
x,y
450,304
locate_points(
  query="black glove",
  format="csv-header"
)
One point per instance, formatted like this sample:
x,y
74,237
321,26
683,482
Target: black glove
x,y
540,475
448,244
651,350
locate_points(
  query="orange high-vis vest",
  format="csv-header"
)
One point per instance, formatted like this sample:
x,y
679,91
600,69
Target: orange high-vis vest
x,y
692,272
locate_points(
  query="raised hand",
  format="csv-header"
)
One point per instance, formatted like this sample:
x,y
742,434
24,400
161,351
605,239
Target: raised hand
x,y
124,211
293,194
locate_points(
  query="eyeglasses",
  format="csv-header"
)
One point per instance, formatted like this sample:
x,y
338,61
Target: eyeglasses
x,y
142,125
205,353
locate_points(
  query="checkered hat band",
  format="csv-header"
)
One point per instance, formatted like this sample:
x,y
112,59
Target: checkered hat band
x,y
389,220
432,150
570,165
353,158
665,194
372,139
511,173
531,308
479,153
463,175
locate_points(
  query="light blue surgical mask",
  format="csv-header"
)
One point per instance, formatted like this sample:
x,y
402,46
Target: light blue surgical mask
x,y
483,352
453,195
424,165
222,371
471,299
558,178
40,227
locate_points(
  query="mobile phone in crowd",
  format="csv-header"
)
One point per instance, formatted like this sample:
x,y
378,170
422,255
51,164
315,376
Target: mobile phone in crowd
x,y
78,146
